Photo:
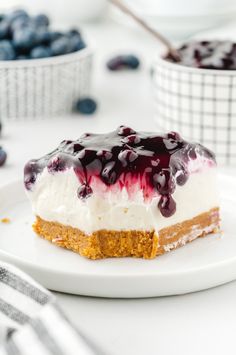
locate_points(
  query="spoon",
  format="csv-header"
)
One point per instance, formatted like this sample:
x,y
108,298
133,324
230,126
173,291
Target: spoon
x,y
170,49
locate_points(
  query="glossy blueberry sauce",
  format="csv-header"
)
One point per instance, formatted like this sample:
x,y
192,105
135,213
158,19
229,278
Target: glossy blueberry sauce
x,y
157,163
219,55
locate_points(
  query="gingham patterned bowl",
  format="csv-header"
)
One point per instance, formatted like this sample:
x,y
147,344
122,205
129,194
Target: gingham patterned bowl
x,y
38,88
198,103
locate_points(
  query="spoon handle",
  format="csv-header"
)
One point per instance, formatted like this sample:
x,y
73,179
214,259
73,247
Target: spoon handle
x,y
171,50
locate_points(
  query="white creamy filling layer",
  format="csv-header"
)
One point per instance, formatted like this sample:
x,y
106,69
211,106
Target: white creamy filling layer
x,y
54,198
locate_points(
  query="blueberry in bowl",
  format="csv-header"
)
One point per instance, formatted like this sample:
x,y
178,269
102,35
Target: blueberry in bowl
x,y
43,70
24,33
3,156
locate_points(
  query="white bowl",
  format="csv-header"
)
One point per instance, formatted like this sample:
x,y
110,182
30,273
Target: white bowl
x,y
199,103
181,18
47,87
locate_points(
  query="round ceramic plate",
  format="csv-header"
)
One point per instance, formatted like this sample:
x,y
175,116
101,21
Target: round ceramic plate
x,y
205,263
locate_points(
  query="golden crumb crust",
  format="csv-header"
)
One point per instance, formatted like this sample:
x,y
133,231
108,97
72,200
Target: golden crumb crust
x,y
136,243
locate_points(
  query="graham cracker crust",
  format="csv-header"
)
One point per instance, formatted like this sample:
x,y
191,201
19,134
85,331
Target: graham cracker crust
x,y
135,243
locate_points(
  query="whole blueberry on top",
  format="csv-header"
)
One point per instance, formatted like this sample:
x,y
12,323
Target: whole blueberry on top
x,y
86,105
219,55
123,62
156,162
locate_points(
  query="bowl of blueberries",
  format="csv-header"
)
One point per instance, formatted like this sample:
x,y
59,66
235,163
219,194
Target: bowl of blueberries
x,y
43,72
196,95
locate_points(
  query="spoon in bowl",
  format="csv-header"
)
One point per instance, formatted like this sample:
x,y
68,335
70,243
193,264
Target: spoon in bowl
x,y
172,52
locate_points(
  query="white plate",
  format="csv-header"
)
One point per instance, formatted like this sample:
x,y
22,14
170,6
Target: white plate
x,y
205,263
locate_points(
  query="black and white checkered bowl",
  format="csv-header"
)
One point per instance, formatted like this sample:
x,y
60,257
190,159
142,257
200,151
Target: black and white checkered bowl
x,y
198,103
38,88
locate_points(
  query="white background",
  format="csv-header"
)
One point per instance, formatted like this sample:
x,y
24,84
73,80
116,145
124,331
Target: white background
x,y
200,323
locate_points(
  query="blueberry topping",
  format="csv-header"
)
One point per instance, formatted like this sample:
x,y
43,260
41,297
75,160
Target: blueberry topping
x,y
158,163
123,62
3,156
86,106
207,55
56,164
84,191
125,131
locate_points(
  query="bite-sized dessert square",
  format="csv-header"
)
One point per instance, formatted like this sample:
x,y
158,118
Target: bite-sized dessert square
x,y
124,193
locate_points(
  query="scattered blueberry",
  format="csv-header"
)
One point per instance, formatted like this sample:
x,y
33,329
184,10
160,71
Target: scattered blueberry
x,y
3,156
40,52
123,62
7,51
41,20
87,106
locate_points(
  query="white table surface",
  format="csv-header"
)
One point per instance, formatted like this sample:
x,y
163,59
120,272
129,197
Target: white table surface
x,y
200,323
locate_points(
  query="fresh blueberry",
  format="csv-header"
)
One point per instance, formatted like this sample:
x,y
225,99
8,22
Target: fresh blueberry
x,y
7,51
24,38
84,191
74,32
22,57
87,106
123,62
55,35
43,36
60,46
3,156
41,20
40,52
4,29
76,44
